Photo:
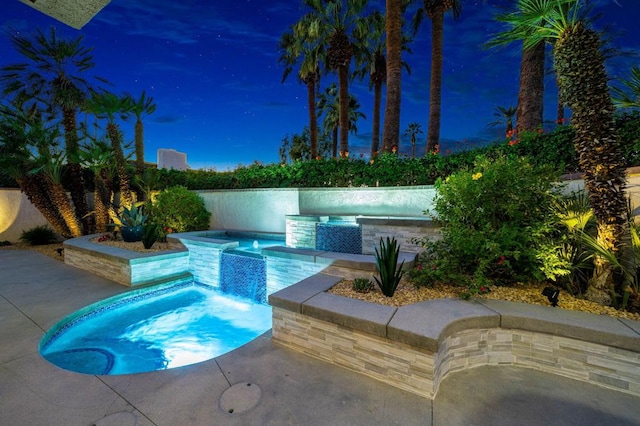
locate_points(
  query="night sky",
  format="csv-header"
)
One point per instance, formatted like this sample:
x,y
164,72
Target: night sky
x,y
212,69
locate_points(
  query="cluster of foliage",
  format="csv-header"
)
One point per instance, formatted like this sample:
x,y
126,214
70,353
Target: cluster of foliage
x,y
180,210
554,149
493,218
39,235
362,285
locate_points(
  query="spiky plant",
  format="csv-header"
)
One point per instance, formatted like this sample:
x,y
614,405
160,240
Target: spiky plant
x,y
387,264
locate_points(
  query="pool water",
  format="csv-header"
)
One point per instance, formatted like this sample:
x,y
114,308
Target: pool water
x,y
154,329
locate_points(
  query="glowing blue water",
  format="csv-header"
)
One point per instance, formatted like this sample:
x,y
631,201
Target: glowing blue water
x,y
155,330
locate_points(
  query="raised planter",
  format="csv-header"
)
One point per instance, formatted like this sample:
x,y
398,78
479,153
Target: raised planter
x,y
125,267
415,347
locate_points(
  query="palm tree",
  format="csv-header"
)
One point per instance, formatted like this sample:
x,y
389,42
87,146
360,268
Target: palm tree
x,y
108,105
629,95
98,158
435,10
342,25
531,89
22,137
374,64
579,63
51,81
51,165
505,116
393,27
328,104
413,130
296,47
139,107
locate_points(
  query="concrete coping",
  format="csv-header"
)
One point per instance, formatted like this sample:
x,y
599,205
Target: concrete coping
x,y
427,324
415,221
366,262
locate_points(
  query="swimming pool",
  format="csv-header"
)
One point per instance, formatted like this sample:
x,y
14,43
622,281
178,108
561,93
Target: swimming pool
x,y
156,328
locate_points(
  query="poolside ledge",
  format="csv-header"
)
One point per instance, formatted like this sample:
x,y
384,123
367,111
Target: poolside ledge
x,y
415,347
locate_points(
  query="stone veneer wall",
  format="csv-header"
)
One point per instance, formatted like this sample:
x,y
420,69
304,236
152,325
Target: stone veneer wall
x,y
402,229
614,368
123,266
301,231
394,363
420,371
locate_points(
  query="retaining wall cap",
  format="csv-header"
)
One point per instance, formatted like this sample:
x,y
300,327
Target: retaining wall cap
x,y
291,298
600,329
355,314
427,324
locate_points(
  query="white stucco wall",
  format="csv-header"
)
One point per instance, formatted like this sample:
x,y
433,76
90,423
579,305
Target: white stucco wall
x,y
264,210
260,210
17,214
408,201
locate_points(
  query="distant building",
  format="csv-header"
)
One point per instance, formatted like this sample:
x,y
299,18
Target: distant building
x,y
172,159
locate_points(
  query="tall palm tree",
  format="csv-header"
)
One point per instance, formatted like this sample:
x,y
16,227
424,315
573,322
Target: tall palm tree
x,y
142,106
298,48
579,63
628,96
435,10
374,64
505,116
393,27
342,24
108,105
529,114
51,79
328,104
413,130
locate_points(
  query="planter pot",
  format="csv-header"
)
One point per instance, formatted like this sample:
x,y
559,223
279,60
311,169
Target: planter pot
x,y
131,234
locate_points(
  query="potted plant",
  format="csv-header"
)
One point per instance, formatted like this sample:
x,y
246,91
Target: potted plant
x,y
131,221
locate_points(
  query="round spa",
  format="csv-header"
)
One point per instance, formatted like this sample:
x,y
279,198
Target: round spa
x,y
155,328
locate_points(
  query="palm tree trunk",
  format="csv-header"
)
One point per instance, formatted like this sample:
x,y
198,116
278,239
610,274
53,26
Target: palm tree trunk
x,y
34,188
139,143
123,176
435,86
99,204
587,94
343,99
531,89
76,177
393,24
65,208
313,118
377,102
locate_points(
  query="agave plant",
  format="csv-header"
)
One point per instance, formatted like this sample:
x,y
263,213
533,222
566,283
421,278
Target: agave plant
x,y
387,265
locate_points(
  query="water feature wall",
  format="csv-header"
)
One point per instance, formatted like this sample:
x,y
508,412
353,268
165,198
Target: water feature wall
x,y
339,238
211,262
244,274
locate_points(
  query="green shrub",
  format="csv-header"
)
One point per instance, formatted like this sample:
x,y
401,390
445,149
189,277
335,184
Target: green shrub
x,y
387,265
492,218
39,235
180,209
362,285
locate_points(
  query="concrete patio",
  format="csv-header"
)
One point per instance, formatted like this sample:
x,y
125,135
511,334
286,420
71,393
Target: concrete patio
x,y
258,384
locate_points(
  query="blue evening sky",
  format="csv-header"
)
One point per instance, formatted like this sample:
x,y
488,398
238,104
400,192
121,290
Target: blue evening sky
x,y
212,69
